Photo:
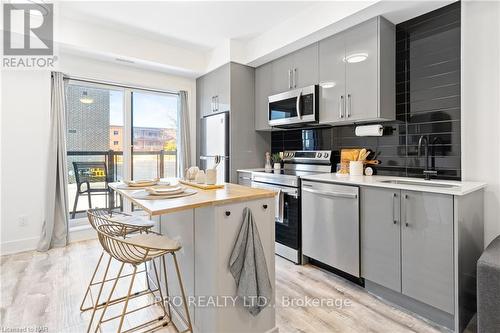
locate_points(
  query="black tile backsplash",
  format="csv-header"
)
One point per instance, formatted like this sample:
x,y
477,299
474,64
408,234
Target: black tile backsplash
x,y
427,103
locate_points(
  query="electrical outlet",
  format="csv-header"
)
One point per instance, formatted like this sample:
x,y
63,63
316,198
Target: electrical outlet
x,y
22,221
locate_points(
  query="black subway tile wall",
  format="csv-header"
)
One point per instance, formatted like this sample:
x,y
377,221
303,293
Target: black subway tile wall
x,y
427,103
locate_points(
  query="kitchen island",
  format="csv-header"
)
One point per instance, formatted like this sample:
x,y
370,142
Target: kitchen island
x,y
207,224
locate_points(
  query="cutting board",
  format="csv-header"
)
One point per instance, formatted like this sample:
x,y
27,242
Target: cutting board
x,y
202,186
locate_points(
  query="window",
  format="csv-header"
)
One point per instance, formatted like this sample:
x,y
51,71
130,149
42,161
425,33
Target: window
x,y
96,140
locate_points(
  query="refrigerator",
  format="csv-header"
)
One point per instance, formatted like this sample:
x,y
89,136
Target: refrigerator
x,y
214,142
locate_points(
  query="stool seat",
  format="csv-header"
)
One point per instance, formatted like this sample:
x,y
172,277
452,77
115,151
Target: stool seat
x,y
154,242
132,220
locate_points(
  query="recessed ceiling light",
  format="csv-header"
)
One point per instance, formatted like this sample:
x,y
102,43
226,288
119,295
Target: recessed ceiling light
x,y
356,57
85,99
327,85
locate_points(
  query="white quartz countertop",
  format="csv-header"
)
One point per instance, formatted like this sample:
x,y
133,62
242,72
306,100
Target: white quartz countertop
x,y
460,187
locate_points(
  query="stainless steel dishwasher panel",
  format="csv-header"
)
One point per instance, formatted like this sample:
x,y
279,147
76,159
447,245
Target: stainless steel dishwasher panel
x,y
330,225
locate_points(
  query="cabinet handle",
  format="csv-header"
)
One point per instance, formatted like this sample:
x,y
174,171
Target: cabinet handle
x,y
394,208
341,106
264,206
216,102
228,213
349,106
295,77
289,79
213,103
406,211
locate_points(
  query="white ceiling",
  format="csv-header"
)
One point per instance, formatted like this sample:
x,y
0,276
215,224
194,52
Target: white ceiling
x,y
189,38
198,25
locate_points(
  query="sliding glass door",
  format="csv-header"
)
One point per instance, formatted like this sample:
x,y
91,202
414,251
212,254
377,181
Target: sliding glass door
x,y
116,133
154,135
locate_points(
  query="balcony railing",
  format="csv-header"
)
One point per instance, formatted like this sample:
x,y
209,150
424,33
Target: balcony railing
x,y
166,166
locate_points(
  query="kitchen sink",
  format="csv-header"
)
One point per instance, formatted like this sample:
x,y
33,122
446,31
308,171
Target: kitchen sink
x,y
418,183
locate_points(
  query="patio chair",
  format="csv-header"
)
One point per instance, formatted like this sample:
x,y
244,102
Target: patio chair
x,y
87,173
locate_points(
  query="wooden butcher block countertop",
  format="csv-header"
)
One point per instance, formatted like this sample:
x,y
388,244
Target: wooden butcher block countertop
x,y
229,194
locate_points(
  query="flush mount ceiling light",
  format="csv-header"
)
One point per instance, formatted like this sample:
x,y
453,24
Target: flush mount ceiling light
x,y
85,99
327,85
356,57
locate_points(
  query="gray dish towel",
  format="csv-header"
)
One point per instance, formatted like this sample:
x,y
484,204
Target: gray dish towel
x,y
248,267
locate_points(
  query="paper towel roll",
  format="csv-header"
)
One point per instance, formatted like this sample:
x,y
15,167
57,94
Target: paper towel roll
x,y
369,130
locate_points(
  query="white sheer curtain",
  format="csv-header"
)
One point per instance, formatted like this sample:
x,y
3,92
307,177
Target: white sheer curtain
x,y
183,144
55,224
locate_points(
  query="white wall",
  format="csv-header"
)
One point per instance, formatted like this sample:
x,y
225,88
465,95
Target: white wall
x,y
25,106
24,132
481,104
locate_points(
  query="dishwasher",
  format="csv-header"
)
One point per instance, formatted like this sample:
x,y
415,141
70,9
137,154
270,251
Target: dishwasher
x,y
330,225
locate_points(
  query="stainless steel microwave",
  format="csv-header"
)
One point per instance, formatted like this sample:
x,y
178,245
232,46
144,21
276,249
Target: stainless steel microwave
x,y
294,107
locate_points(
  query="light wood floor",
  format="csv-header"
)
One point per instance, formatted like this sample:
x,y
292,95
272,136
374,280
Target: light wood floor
x,y
44,290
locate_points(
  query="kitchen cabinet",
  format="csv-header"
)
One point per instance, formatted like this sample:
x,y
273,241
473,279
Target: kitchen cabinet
x,y
245,178
263,89
380,236
407,243
231,88
213,91
357,74
296,70
427,248
332,79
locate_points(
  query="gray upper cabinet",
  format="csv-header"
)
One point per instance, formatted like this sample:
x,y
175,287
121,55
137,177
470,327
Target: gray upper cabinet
x,y
296,70
282,70
362,77
357,69
213,91
305,66
380,236
332,79
263,89
427,248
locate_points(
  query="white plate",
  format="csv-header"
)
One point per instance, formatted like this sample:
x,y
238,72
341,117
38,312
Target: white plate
x,y
144,195
165,189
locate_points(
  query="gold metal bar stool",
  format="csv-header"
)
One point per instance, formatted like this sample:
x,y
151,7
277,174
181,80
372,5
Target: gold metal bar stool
x,y
137,250
132,224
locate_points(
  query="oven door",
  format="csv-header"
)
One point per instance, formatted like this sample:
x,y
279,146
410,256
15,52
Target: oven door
x,y
287,220
293,107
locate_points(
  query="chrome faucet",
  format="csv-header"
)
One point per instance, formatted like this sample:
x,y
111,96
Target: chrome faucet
x,y
427,173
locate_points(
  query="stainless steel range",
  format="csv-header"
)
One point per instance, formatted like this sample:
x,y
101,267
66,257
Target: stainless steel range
x,y
288,204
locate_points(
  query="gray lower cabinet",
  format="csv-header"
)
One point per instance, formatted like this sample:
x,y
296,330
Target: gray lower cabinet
x,y
427,248
380,236
263,89
407,244
244,178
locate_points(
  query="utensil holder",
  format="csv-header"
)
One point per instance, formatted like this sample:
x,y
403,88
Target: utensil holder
x,y
356,168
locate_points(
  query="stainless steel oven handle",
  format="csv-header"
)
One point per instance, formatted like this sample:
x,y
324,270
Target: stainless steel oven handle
x,y
299,96
331,194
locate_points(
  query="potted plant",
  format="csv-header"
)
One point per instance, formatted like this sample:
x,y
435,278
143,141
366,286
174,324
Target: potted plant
x,y
277,157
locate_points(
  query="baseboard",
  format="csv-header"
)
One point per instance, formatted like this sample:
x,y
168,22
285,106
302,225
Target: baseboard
x,y
81,233
20,245
76,234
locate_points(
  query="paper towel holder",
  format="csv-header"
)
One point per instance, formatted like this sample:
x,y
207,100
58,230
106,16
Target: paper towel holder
x,y
369,130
